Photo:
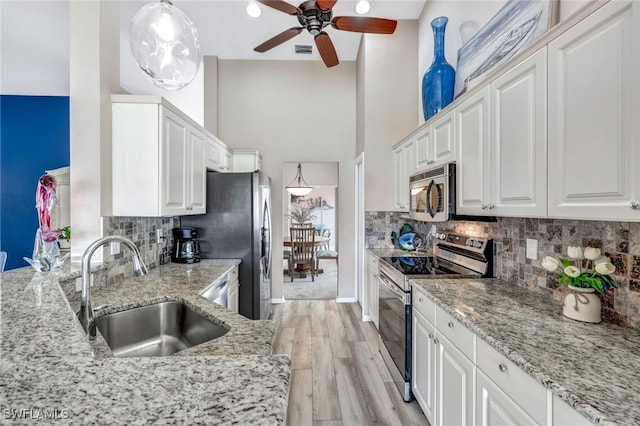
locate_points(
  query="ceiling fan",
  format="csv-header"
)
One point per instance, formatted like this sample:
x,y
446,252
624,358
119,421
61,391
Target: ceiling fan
x,y
314,16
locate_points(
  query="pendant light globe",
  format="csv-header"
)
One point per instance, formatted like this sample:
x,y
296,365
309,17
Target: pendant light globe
x,y
164,44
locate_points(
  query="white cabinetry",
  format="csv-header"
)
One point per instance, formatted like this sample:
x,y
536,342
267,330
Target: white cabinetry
x,y
246,160
564,415
404,165
435,142
594,105
505,394
502,132
442,374
158,159
218,155
371,296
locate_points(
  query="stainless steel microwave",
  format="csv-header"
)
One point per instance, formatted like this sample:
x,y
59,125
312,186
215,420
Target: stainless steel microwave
x,y
432,194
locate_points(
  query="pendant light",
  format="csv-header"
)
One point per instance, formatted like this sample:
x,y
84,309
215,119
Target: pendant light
x,y
298,186
164,44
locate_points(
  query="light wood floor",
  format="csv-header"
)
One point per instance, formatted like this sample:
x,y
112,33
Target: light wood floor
x,y
338,377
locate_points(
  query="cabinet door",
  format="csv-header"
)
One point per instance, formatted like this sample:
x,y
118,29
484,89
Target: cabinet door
x,y
175,163
423,369
214,155
197,173
472,123
494,407
443,139
374,297
519,139
455,386
424,149
594,96
400,186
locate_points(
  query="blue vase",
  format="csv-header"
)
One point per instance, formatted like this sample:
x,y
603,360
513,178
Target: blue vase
x,y
439,80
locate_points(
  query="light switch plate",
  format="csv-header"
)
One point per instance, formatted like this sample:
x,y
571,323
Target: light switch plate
x,y
532,248
159,235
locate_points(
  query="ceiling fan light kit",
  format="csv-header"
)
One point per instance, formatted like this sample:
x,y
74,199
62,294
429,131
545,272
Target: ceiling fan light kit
x,y
363,7
314,16
298,186
254,10
164,44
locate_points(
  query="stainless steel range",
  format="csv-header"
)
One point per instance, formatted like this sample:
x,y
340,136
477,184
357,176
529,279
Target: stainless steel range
x,y
455,256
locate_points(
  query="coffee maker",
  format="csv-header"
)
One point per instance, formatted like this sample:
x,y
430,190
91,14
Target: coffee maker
x,y
186,248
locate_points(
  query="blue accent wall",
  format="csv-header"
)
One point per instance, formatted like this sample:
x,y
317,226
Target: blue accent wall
x,y
34,137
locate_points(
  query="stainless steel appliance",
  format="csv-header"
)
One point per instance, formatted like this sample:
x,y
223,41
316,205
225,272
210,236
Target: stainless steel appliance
x,y
186,248
237,225
432,194
454,256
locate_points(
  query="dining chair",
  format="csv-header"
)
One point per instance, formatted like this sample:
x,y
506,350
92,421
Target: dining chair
x,y
325,254
3,260
303,250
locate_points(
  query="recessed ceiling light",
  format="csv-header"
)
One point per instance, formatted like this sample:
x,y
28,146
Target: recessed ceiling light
x,y
253,10
362,7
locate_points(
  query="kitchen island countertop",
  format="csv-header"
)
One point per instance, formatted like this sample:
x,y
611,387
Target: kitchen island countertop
x,y
592,367
49,370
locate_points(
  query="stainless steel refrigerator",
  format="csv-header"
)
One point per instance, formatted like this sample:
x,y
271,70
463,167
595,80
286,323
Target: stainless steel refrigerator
x,y
237,225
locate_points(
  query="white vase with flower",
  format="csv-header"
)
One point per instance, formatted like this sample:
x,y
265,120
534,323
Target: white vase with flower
x,y
586,272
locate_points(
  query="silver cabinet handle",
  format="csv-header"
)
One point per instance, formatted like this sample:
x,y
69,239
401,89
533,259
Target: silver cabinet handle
x,y
491,207
502,367
420,299
635,204
431,336
484,207
450,324
436,341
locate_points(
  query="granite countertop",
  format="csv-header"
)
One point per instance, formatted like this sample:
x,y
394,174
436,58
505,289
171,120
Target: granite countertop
x,y
592,367
396,252
48,367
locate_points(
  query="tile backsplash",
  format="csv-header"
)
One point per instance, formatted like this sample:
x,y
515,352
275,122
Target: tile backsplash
x,y
142,231
618,240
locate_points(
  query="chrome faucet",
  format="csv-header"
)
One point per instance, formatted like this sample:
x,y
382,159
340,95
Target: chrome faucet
x,y
86,311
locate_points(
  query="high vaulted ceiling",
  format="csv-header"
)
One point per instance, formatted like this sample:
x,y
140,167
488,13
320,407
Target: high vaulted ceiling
x,y
225,29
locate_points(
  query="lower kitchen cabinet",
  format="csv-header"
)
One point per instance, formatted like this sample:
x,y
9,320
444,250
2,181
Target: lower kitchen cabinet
x,y
370,300
442,376
494,407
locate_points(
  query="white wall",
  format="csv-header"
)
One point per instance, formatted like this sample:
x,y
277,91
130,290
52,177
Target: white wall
x,y
294,111
34,58
388,96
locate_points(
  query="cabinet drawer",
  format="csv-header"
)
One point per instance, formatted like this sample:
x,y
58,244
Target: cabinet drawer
x,y
458,334
522,388
423,304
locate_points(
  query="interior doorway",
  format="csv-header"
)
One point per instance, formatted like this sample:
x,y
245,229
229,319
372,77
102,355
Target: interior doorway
x,y
318,209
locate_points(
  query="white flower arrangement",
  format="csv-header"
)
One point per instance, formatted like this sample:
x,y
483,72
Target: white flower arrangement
x,y
587,268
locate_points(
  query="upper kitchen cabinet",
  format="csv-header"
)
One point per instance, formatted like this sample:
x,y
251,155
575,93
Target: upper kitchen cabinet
x,y
594,97
218,155
435,142
404,165
245,160
502,167
158,157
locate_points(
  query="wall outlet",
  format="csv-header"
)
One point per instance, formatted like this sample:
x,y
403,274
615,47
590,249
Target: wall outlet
x,y
159,235
532,249
115,247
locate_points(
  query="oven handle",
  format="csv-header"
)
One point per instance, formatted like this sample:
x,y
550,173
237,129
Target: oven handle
x,y
405,297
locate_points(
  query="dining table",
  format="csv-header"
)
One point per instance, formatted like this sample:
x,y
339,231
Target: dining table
x,y
319,241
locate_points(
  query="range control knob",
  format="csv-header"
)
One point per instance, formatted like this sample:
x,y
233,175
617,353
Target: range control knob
x,y
477,244
470,242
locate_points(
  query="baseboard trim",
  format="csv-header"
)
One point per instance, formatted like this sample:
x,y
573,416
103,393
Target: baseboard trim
x,y
367,318
277,301
346,300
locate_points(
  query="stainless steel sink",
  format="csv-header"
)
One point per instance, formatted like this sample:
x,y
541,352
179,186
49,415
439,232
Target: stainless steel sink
x,y
160,329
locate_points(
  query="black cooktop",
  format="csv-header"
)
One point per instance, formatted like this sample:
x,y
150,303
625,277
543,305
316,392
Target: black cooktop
x,y
418,265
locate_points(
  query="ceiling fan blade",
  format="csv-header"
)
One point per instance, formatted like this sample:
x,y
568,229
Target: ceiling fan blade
x,y
326,49
325,4
361,24
281,5
279,39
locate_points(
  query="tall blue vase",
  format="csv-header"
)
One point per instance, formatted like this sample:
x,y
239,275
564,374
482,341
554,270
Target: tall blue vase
x,y
439,80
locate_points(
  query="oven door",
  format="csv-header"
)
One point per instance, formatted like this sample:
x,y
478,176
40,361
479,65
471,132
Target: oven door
x,y
395,331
